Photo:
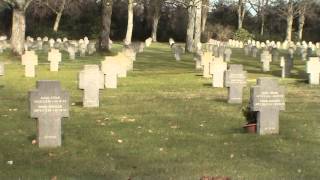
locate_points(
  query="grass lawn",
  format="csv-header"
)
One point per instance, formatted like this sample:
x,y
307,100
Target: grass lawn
x,y
171,122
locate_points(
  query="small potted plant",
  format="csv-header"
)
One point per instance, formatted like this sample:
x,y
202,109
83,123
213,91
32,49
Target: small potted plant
x,y
251,117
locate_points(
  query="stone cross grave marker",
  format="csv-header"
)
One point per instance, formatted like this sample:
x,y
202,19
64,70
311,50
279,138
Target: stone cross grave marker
x,y
254,51
206,59
111,69
266,58
29,60
54,57
227,54
177,51
82,48
72,52
197,59
51,43
287,65
124,61
275,54
268,99
291,52
217,69
313,69
148,42
92,48
48,103
246,50
91,80
215,50
221,50
1,68
236,80
130,53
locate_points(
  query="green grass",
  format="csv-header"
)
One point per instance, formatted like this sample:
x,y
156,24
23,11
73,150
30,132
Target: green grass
x,y
182,127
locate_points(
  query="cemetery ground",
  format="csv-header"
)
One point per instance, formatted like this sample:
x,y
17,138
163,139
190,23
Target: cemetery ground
x,y
163,122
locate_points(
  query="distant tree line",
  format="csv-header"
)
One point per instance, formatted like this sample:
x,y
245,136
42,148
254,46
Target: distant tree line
x,y
192,21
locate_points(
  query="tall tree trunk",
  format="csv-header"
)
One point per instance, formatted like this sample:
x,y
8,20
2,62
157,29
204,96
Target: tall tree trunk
x,y
18,32
155,23
239,14
59,15
190,28
289,21
197,31
106,12
302,19
128,38
262,24
204,12
57,22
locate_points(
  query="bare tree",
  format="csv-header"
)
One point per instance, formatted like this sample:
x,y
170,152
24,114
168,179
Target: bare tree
x,y
156,7
18,32
128,38
260,7
197,26
241,12
106,12
190,28
205,10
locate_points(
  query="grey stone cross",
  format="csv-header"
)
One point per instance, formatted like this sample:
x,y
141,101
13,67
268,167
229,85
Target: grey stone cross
x,y
235,80
48,103
268,99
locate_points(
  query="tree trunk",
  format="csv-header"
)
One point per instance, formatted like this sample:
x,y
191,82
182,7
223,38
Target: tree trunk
x,y
156,18
190,28
18,31
106,12
57,22
197,31
262,24
204,12
59,15
302,19
128,38
239,14
289,22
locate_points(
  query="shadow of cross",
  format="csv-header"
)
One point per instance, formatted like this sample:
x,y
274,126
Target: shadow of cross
x,y
91,80
268,98
236,80
48,103
313,69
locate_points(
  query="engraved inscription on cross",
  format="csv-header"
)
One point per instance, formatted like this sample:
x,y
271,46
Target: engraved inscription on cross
x,y
313,69
267,98
48,103
236,80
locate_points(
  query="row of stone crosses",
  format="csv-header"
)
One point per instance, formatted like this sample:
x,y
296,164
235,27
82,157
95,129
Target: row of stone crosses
x,y
267,98
49,103
270,54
